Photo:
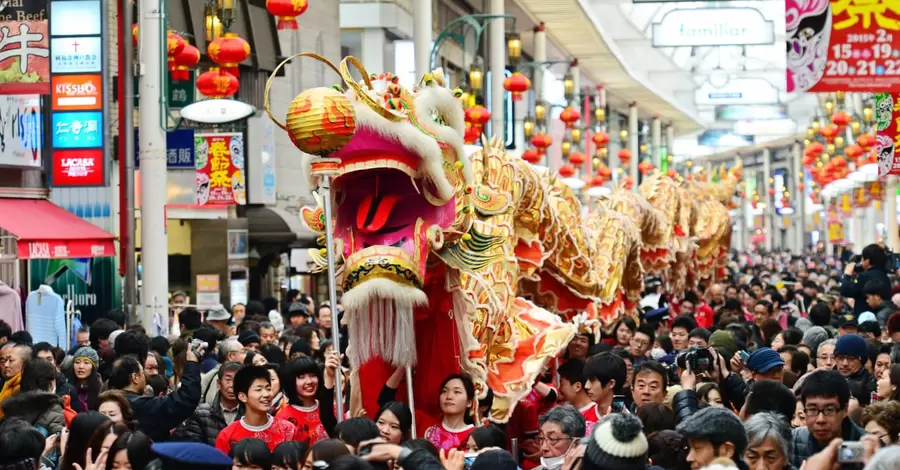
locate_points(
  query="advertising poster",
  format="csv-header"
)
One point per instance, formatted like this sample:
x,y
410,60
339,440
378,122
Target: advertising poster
x,y
887,123
220,169
21,130
24,47
843,45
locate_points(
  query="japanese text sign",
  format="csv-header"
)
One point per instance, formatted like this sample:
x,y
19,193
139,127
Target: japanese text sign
x,y
76,55
843,45
179,149
220,169
24,47
78,168
77,130
887,125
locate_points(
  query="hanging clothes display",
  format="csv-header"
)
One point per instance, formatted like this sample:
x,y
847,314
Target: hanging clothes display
x,y
45,316
11,307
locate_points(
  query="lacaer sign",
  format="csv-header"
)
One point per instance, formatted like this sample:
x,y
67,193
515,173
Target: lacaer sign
x,y
78,167
713,27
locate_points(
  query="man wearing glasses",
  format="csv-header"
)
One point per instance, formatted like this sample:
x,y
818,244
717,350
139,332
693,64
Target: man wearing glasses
x,y
561,429
825,396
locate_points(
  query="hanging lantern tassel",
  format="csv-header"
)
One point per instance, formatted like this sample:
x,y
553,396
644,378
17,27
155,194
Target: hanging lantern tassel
x,y
286,11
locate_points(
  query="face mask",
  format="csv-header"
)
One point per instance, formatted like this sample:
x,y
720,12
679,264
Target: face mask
x,y
552,463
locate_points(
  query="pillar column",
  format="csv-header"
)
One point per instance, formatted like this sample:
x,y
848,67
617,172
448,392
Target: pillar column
x,y
614,127
769,225
540,56
373,44
799,196
633,143
423,32
497,47
656,142
890,214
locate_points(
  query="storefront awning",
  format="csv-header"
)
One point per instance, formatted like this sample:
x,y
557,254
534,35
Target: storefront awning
x,y
46,231
276,225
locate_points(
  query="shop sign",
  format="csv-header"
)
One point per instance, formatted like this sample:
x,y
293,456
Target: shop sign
x,y
757,112
76,18
77,92
77,130
208,289
21,130
24,47
697,27
220,169
179,149
180,93
843,45
723,138
217,111
76,55
887,122
78,168
738,91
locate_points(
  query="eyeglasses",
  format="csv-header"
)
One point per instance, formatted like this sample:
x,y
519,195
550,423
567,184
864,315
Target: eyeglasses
x,y
828,411
552,440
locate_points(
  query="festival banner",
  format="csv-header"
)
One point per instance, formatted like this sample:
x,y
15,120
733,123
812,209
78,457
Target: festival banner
x,y
887,125
25,46
843,45
220,169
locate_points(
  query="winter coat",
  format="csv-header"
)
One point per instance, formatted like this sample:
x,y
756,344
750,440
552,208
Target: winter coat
x,y
40,409
805,445
204,425
10,388
158,416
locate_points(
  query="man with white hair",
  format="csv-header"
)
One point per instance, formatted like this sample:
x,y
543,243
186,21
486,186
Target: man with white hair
x,y
230,350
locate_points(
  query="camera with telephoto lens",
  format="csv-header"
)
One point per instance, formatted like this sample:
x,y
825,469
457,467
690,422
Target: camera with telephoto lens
x,y
699,360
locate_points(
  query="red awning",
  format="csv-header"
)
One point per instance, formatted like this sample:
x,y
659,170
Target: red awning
x,y
47,231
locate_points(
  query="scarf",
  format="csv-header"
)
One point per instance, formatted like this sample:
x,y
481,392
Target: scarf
x,y
10,388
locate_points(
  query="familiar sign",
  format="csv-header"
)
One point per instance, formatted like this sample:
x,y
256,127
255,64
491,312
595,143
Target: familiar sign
x,y
78,168
843,45
76,55
24,48
77,92
697,27
220,169
76,18
77,130
21,130
179,149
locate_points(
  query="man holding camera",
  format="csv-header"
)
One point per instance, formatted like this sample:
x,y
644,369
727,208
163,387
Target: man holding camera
x,y
856,276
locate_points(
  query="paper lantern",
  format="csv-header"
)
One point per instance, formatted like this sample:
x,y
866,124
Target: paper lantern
x,y
286,11
517,84
569,116
866,141
228,51
815,149
853,151
601,139
838,162
627,182
605,172
840,119
174,45
531,156
320,120
185,60
217,84
478,115
598,180
671,173
577,158
473,133
624,156
567,171
645,167
541,142
829,132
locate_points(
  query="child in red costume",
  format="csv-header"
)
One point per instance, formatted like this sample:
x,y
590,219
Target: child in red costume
x,y
253,387
310,406
457,394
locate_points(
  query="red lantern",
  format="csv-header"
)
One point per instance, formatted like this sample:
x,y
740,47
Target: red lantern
x,y
516,84
808,160
815,149
829,132
184,62
174,45
671,173
853,151
627,182
217,84
531,156
287,11
478,115
801,187
771,192
541,142
866,141
605,172
624,156
645,167
577,158
569,116
134,34
601,139
473,133
228,51
567,171
598,180
838,162
840,119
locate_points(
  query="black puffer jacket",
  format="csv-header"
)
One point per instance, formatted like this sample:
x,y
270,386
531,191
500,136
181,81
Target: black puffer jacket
x,y
37,408
204,425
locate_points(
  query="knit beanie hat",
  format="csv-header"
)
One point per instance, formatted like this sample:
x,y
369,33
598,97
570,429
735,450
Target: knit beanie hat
x,y
853,346
815,336
617,443
722,339
88,353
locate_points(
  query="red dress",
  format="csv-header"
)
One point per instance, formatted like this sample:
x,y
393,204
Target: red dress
x,y
591,416
446,438
307,422
272,433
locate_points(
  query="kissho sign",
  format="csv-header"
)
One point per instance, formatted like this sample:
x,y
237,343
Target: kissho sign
x,y
684,27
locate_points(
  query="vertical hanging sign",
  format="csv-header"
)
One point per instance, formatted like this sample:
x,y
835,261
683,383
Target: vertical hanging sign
x,y
78,117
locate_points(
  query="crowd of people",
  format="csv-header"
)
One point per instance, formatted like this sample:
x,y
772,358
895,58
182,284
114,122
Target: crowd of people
x,y
789,362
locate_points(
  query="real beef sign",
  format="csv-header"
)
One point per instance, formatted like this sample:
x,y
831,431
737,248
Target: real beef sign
x,y
24,47
220,169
